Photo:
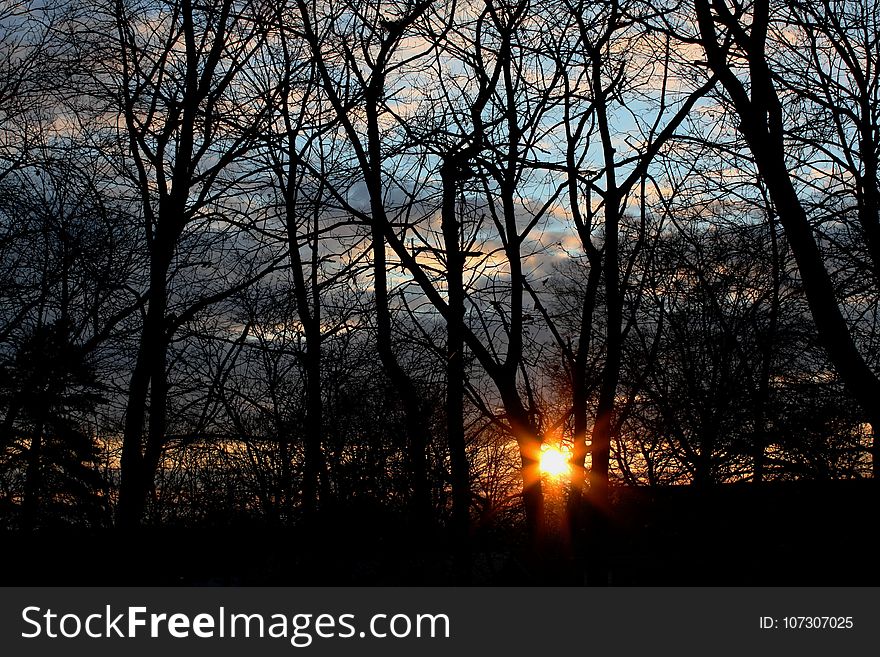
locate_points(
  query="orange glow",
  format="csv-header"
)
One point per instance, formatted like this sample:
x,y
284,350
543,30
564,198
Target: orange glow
x,y
554,463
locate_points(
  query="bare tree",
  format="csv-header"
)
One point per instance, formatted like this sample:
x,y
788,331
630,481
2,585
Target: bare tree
x,y
736,39
365,55
173,74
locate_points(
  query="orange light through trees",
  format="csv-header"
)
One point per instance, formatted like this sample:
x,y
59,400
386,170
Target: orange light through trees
x,y
554,463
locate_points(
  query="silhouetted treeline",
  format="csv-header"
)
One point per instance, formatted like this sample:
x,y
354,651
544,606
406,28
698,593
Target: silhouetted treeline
x,y
280,261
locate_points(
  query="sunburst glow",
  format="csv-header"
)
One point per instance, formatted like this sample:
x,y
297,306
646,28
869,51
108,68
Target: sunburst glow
x,y
554,462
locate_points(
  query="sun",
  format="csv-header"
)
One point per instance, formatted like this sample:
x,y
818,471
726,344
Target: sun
x,y
554,463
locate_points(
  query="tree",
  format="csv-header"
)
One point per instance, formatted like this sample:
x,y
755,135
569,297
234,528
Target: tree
x,y
301,161
738,50
49,389
173,71
351,80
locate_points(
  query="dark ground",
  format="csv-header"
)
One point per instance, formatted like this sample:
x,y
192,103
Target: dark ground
x,y
794,534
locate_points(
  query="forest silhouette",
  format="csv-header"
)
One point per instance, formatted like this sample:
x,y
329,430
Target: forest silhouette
x,y
439,291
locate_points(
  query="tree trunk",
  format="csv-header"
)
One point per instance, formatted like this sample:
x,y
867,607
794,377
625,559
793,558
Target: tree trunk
x,y
32,481
579,401
461,494
140,459
314,477
530,452
414,410
601,438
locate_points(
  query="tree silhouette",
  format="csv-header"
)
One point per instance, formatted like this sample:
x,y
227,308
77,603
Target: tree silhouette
x,y
48,390
319,273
